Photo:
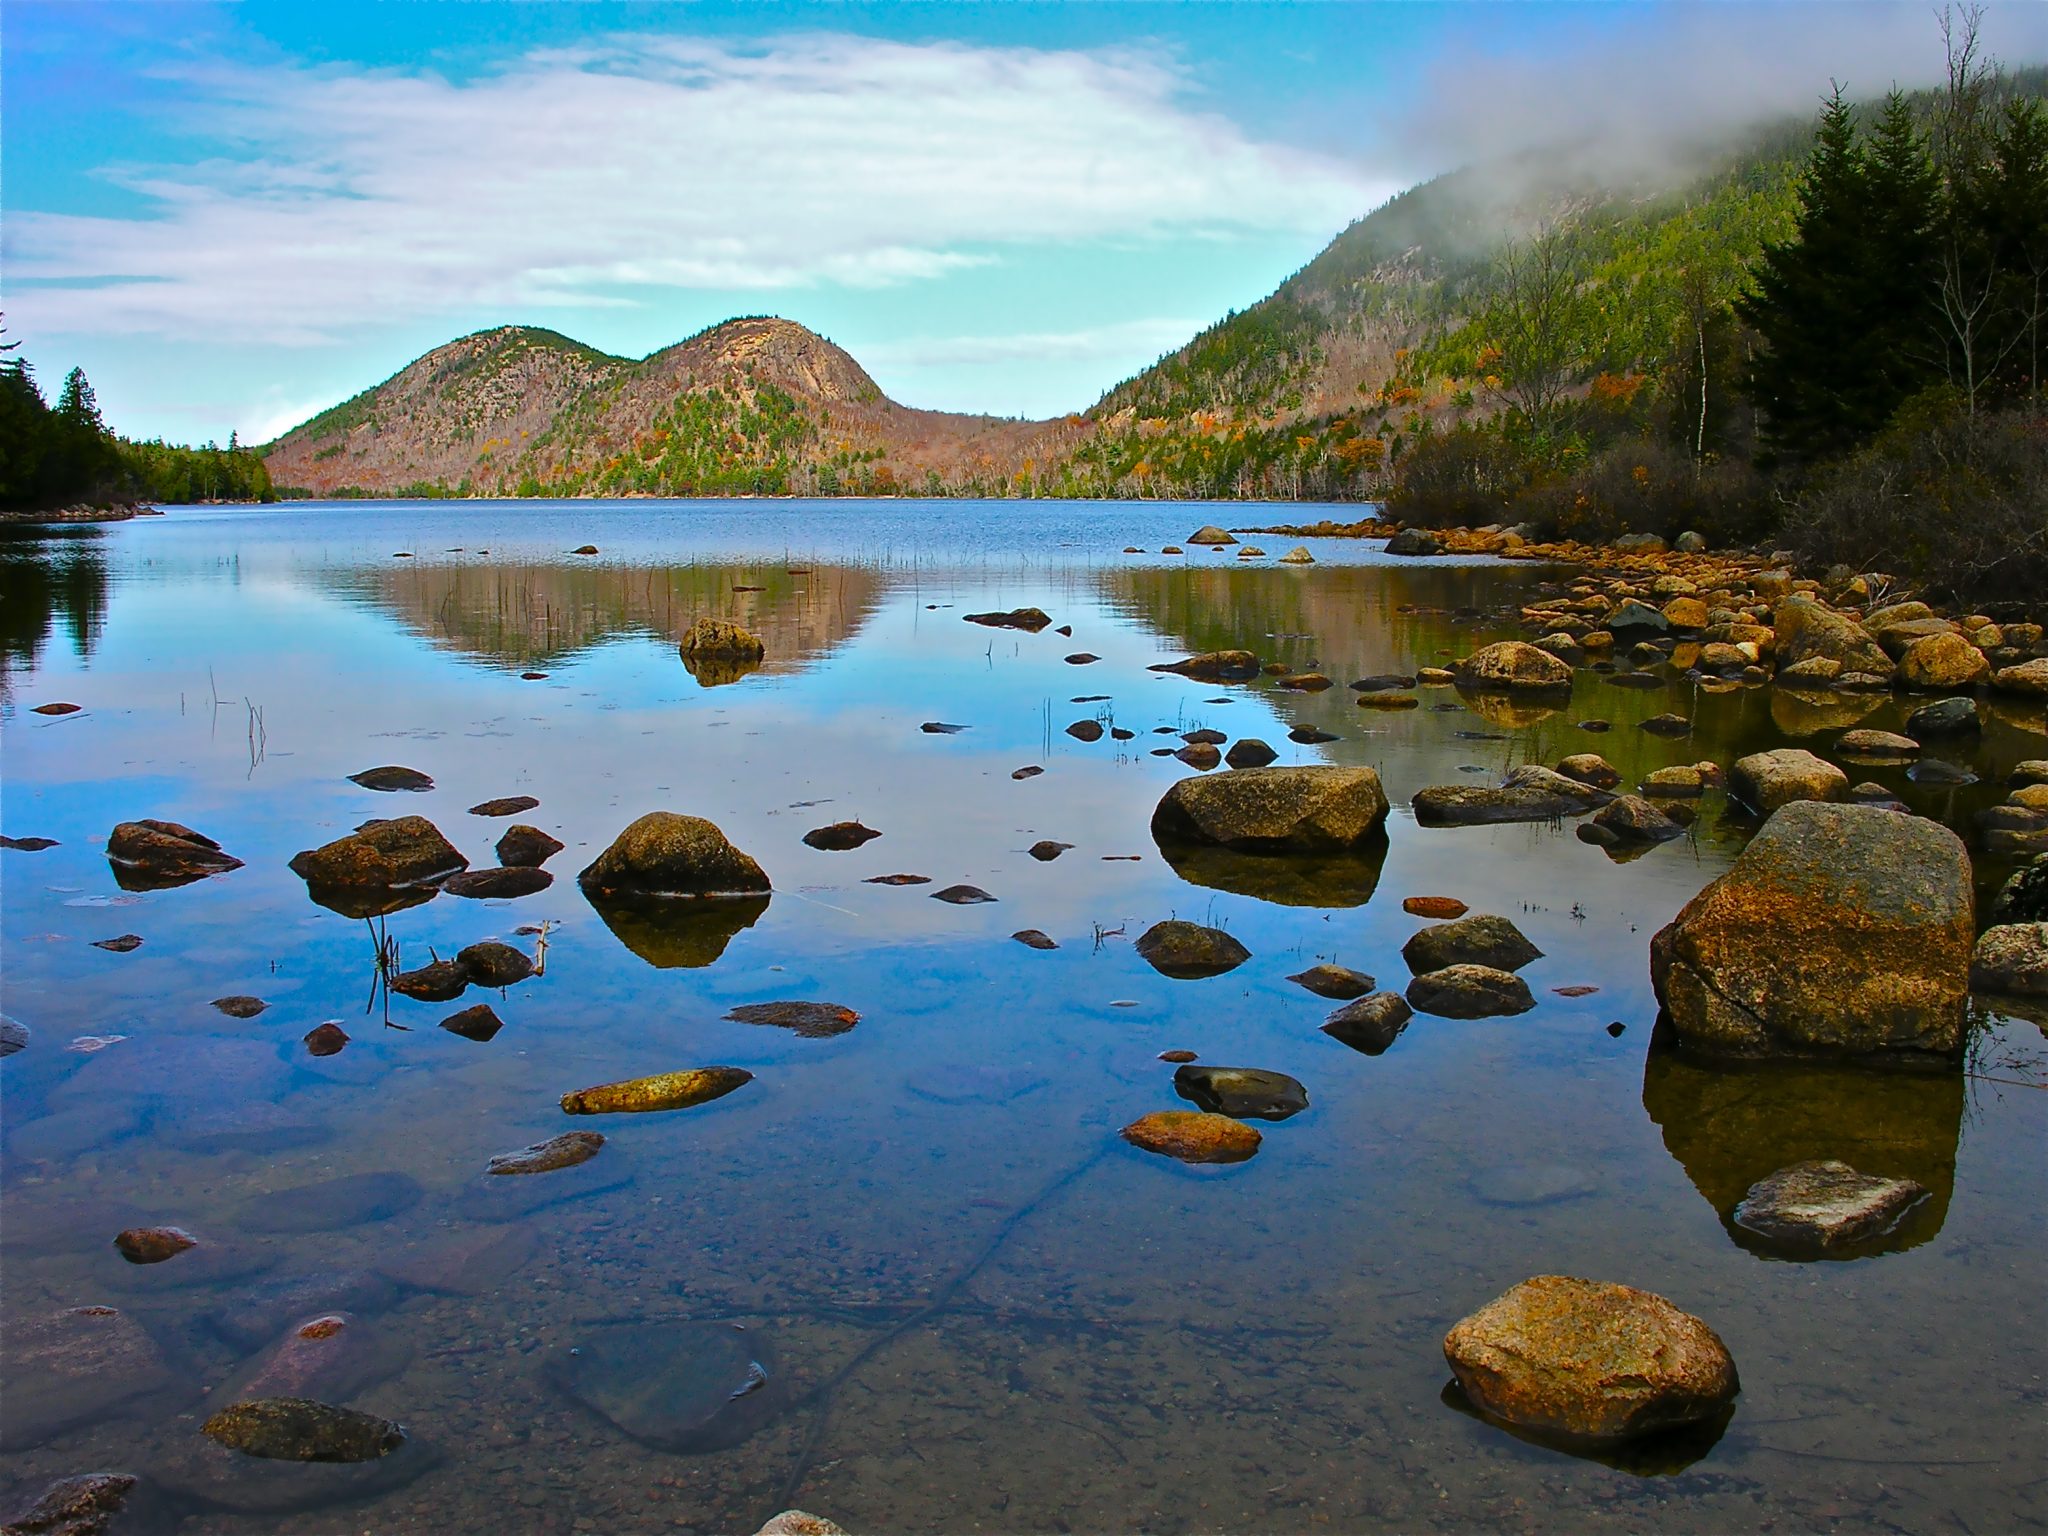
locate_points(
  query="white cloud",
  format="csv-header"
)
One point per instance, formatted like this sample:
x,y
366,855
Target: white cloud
x,y
572,177
1144,340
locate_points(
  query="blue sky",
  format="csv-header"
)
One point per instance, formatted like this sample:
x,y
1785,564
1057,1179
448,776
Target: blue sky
x,y
232,216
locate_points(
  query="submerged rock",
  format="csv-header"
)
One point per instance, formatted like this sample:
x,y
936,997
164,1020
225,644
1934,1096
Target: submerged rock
x,y
1470,992
1839,929
153,1245
1193,1136
300,1429
2023,898
1530,793
665,1090
72,1367
1243,1093
840,837
157,855
1822,1207
685,1388
1951,717
1031,620
1371,1024
563,1151
1333,981
1476,940
240,1006
1317,809
393,779
1213,667
664,855
814,1021
408,850
1188,951
329,1205
1590,1361
477,1022
1033,938
87,1505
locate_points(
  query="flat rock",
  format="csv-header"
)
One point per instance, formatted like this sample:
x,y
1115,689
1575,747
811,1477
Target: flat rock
x,y
1310,736
1188,951
1529,793
1243,1093
1031,620
28,844
1213,667
1433,906
121,944
1033,938
664,1090
685,1388
392,779
1371,1024
840,837
1470,992
1193,1136
440,981
962,895
1876,744
1764,781
1589,1361
563,1151
897,880
1316,809
70,1367
1824,1206
1477,940
158,855
1333,981
501,884
504,805
814,1021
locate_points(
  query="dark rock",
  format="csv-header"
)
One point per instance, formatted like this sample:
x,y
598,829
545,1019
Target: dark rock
x,y
1085,730
1200,755
299,1429
1249,752
1935,770
1029,619
1204,737
563,1151
157,855
1032,938
1840,929
2023,898
408,850
839,837
1470,992
477,1022
665,855
1413,542
28,844
1530,793
941,728
684,1388
1371,1024
1030,772
1384,682
1821,1207
492,964
509,805
962,895
814,1021
240,1006
1955,716
1633,820
498,884
14,1035
391,779
1188,951
325,1039
1214,667
1046,850
1243,1093
1334,981
86,1505
1479,940
1301,682
1310,736
442,981
897,880
153,1245
1668,725
121,944
1082,658
524,847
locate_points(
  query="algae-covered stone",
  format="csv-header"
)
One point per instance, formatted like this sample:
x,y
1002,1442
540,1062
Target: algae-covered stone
x,y
1513,664
1316,809
720,640
1824,1206
300,1429
1188,951
1941,662
664,854
90,1504
664,1090
1839,929
406,850
1480,939
1590,1361
1241,1092
1193,1136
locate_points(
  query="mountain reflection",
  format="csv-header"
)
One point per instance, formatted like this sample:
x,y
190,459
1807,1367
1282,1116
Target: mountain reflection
x,y
536,615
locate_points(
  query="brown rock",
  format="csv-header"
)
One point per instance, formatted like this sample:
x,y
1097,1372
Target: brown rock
x,y
1434,906
152,1245
154,855
1318,809
814,1021
1511,664
524,847
1193,1136
665,1090
325,1039
664,855
240,1006
408,850
1764,781
1942,663
509,805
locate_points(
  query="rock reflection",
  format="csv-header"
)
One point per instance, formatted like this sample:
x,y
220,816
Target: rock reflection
x,y
681,934
1731,1125
1804,712
1285,879
1660,1455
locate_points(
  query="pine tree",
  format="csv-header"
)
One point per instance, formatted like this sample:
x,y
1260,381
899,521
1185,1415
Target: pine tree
x,y
1898,275
78,405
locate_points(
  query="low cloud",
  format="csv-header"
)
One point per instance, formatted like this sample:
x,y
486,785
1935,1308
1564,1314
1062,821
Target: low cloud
x,y
585,177
1142,339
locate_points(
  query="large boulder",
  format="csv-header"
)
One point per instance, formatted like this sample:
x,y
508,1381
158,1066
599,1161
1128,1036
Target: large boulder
x,y
720,640
1531,793
1209,533
404,851
1590,1361
664,854
1841,929
2012,958
1763,781
1476,940
1512,664
1317,809
1414,541
1942,663
1805,629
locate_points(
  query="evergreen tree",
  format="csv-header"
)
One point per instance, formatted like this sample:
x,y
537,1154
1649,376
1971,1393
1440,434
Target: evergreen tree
x,y
1896,278
77,405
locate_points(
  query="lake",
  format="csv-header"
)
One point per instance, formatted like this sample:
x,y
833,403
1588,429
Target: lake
x,y
908,1276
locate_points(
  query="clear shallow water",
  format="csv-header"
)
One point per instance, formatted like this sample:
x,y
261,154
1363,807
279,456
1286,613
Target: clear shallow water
x,y
983,1311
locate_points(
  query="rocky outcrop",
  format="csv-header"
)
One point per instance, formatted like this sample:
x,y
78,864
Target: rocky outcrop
x,y
664,855
1841,929
1589,1361
1764,781
1318,809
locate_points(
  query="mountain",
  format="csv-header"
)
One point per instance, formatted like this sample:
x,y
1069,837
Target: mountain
x,y
756,405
